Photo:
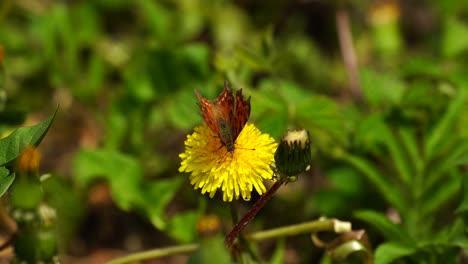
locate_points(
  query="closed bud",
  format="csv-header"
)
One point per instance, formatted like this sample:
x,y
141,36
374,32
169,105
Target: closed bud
x,y
293,154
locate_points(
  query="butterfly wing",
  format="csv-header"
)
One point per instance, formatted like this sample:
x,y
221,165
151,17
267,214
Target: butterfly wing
x,y
226,116
221,109
225,105
208,112
241,114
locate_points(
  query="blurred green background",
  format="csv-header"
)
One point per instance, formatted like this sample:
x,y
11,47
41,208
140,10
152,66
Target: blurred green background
x,y
390,149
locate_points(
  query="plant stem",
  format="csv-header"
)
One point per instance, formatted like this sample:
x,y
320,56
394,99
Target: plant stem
x,y
251,213
332,225
307,227
155,253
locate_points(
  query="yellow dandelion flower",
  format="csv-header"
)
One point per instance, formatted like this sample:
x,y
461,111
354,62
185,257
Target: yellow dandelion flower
x,y
213,167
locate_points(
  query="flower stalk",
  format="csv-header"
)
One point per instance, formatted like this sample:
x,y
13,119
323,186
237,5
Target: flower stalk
x,y
235,232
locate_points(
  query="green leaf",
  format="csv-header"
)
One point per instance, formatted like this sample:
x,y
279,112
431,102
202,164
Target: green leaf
x,y
270,112
421,66
455,38
11,146
181,110
121,171
273,123
411,145
125,177
398,155
391,193
182,226
252,59
26,194
389,230
322,117
153,197
390,251
346,180
6,179
443,128
444,163
381,88
211,251
279,253
463,207
443,193
368,134
60,194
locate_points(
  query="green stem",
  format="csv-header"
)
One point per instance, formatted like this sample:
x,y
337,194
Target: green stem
x,y
155,253
332,225
307,227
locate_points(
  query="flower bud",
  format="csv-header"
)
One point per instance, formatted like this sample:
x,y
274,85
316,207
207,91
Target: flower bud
x,y
293,154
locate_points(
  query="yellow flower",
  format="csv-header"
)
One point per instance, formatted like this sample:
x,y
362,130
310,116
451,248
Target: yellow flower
x,y
212,167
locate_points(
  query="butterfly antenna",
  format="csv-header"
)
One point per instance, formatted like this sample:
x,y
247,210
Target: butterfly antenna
x,y
245,148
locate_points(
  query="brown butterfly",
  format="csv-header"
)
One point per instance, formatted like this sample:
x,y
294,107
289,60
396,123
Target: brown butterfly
x,y
225,116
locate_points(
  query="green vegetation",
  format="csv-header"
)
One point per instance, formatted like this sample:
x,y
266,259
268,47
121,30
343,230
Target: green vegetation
x,y
382,89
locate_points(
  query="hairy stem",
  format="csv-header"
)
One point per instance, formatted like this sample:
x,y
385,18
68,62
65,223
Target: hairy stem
x,y
235,232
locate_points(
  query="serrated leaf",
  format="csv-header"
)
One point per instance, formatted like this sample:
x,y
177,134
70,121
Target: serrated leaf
x,y
11,146
389,252
6,179
388,229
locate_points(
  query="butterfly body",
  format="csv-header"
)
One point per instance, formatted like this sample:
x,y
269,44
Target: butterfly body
x,y
226,136
226,116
